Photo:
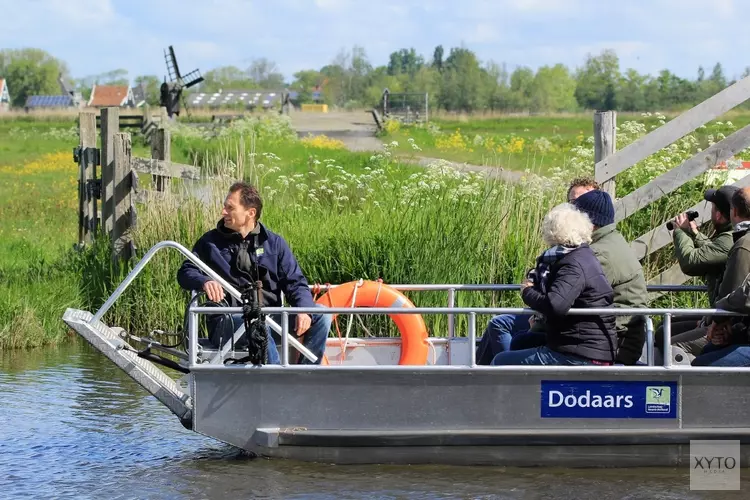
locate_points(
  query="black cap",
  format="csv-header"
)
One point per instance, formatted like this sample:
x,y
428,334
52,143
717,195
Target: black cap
x,y
722,198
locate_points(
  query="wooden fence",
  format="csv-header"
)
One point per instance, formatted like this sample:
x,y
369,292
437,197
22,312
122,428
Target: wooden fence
x,y
147,122
109,176
609,163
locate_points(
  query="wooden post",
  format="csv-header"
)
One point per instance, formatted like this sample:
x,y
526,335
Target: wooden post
x,y
161,150
110,124
122,243
605,123
87,203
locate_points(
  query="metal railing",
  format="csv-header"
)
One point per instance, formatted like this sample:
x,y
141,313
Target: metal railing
x,y
451,310
192,324
452,289
472,313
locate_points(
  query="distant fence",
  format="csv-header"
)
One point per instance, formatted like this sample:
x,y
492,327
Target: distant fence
x,y
147,122
115,184
407,107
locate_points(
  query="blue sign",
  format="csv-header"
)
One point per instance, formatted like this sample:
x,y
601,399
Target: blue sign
x,y
622,399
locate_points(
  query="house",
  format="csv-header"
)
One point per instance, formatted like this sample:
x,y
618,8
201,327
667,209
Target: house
x,y
139,95
104,96
4,95
48,102
248,99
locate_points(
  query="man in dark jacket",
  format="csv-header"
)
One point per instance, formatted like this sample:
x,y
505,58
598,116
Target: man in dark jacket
x,y
622,269
701,255
238,249
737,268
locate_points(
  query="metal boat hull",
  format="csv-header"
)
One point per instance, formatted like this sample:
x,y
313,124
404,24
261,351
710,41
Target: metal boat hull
x,y
455,416
443,413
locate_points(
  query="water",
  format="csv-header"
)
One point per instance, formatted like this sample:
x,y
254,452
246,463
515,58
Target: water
x,y
72,425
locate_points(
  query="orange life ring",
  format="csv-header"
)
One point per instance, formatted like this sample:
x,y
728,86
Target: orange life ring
x,y
414,348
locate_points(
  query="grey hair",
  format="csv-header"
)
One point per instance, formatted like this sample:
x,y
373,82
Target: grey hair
x,y
566,225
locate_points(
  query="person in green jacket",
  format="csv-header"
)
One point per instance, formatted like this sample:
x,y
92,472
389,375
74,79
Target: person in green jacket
x,y
737,268
702,255
622,269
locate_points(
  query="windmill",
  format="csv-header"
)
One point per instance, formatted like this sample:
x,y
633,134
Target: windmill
x,y
171,92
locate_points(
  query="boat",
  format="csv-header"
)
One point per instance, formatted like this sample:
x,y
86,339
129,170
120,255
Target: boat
x,y
364,407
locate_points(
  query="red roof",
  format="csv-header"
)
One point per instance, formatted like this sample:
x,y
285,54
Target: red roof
x,y
109,95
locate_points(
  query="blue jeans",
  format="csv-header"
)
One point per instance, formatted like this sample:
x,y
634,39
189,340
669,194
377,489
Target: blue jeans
x,y
314,338
507,332
733,355
538,356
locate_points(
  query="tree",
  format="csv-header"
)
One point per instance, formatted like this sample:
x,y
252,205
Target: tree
x,y
404,61
521,83
553,90
633,91
265,74
717,77
304,83
496,89
437,58
225,77
597,82
461,82
151,85
31,72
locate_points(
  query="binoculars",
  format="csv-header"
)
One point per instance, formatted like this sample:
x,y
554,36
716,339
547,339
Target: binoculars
x,y
691,215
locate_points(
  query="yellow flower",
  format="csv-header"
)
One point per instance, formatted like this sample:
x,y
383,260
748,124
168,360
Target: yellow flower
x,y
455,142
53,162
392,126
323,142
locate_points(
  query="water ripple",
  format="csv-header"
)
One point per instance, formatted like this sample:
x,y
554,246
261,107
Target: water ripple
x,y
72,425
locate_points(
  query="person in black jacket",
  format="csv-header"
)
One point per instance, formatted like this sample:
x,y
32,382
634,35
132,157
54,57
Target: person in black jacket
x,y
568,275
235,249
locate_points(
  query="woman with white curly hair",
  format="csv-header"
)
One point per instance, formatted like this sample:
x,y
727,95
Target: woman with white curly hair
x,y
568,275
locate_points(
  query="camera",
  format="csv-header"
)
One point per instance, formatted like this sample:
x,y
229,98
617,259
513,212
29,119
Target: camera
x,y
691,215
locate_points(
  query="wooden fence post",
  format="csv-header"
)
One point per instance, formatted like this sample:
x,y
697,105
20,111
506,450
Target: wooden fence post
x,y
123,206
110,124
605,123
161,150
87,172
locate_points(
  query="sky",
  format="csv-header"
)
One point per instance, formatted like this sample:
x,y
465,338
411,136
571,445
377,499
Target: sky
x,y
96,36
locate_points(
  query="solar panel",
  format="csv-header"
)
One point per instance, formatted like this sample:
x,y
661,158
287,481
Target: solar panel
x,y
49,101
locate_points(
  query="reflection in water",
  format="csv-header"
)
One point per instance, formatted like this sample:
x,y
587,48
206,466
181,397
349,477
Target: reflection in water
x,y
73,425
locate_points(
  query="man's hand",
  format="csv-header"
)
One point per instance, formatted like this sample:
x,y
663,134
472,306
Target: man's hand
x,y
686,224
719,333
214,291
531,321
303,324
682,221
526,284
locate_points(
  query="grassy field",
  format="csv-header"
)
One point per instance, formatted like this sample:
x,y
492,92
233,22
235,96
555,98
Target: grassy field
x,y
538,144
345,215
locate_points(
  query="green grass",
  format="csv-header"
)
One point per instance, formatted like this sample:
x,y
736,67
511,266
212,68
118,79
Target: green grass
x,y
345,215
545,141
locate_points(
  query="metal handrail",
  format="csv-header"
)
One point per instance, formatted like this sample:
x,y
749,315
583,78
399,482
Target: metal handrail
x,y
286,338
191,324
667,314
501,288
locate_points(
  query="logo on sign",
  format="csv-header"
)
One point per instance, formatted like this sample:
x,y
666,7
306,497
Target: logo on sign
x,y
657,399
616,399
